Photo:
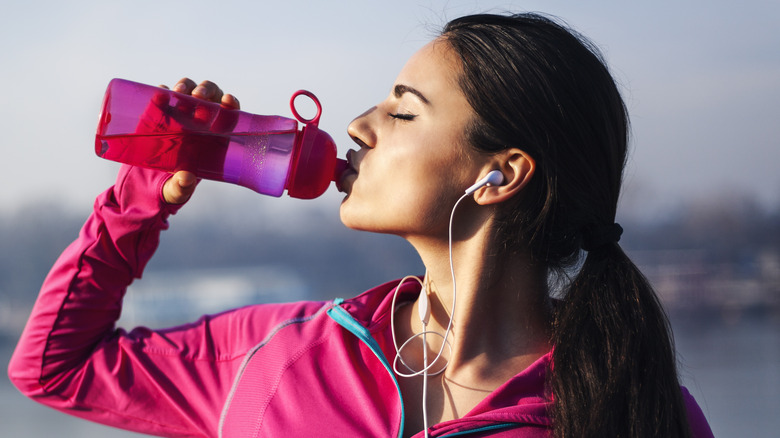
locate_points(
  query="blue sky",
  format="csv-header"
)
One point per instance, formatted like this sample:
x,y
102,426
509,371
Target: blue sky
x,y
701,80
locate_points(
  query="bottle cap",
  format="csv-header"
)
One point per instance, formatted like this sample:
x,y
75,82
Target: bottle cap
x,y
314,164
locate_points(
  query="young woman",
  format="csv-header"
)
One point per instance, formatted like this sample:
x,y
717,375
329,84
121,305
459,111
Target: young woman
x,y
523,115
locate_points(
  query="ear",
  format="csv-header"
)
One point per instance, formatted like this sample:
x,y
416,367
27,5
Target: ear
x,y
517,167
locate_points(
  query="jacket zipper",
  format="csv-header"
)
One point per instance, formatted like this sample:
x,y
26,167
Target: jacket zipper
x,y
346,320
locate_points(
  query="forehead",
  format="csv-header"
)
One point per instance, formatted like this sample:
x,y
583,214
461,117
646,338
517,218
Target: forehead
x,y
433,70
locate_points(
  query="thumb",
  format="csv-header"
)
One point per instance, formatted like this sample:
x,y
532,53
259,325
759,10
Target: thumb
x,y
179,188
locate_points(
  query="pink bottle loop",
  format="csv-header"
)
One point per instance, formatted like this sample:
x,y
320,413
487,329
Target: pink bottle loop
x,y
314,163
314,120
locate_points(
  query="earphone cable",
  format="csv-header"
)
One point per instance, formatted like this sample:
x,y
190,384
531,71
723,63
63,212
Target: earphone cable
x,y
445,340
424,333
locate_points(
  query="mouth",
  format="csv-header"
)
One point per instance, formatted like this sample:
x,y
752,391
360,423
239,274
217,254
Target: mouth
x,y
349,174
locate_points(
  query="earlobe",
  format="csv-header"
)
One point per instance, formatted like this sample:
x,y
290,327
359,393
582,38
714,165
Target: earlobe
x,y
517,168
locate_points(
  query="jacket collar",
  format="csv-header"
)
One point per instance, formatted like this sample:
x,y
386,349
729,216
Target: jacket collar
x,y
520,400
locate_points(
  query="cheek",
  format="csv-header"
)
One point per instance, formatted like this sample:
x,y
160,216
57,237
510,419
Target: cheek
x,y
390,200
369,198
407,188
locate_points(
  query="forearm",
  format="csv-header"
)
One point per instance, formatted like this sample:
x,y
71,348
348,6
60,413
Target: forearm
x,y
81,297
171,382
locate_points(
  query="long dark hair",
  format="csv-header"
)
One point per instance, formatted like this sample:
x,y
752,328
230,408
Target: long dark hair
x,y
539,86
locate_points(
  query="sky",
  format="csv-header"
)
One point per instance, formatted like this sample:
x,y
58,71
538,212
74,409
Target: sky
x,y
701,80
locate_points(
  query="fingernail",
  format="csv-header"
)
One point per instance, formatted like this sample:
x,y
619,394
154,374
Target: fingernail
x,y
199,90
179,88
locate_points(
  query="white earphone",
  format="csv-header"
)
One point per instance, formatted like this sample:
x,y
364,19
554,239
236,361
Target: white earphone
x,y
494,178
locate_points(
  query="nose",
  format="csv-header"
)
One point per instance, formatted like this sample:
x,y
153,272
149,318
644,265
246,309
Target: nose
x,y
361,129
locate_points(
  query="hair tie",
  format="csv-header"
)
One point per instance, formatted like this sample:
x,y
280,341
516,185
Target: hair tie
x,y
597,236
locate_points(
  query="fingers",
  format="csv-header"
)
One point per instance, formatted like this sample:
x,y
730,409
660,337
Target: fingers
x,y
230,101
206,90
185,86
179,188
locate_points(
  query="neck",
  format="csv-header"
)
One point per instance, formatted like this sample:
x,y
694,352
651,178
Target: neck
x,y
501,320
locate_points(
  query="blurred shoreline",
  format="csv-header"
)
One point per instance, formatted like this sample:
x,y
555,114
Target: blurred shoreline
x,y
731,366
715,266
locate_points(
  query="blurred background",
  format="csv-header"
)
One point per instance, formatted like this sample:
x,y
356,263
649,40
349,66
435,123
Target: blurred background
x,y
701,206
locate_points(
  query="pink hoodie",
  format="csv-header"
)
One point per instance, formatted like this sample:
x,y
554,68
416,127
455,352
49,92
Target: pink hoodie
x,y
300,369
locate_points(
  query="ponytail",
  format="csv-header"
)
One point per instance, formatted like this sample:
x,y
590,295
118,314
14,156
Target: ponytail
x,y
613,371
537,85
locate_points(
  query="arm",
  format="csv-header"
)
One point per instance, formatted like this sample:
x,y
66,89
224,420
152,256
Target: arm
x,y
71,357
170,382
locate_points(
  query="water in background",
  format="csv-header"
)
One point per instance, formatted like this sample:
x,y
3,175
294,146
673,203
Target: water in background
x,y
730,364
732,368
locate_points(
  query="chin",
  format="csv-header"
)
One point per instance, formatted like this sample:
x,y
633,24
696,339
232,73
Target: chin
x,y
346,217
353,224
354,220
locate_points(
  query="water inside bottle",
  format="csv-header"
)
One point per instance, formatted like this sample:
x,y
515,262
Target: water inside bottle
x,y
257,161
170,132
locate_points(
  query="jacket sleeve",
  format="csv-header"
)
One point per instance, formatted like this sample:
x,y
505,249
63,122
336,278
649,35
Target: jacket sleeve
x,y
72,358
700,428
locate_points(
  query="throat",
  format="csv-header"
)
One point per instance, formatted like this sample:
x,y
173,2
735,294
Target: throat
x,y
445,400
457,392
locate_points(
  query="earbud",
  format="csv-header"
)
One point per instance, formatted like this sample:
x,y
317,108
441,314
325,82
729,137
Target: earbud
x,y
494,178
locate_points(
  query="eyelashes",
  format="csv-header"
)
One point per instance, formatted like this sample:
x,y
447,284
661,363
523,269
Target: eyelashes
x,y
402,116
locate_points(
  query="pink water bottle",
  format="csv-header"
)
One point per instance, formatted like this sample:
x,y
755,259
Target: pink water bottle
x,y
157,128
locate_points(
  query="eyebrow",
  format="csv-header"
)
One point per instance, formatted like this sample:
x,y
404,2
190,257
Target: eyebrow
x,y
400,89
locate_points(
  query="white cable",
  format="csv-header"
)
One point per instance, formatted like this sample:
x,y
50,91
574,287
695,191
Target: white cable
x,y
445,340
425,384
426,366
392,324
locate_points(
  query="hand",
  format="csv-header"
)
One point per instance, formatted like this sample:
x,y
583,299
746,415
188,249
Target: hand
x,y
181,185
206,90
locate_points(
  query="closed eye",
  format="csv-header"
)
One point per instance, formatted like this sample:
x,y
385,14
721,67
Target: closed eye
x,y
400,116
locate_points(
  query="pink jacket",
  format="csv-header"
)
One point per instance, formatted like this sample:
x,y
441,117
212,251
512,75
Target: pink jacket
x,y
301,369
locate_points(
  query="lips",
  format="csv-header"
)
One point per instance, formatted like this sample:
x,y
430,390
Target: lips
x,y
349,174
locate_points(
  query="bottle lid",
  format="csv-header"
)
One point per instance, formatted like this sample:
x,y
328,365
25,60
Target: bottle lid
x,y
314,163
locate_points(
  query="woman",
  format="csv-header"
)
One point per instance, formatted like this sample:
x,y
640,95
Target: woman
x,y
520,100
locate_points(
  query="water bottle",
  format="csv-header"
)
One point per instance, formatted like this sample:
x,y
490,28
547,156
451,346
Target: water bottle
x,y
157,128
